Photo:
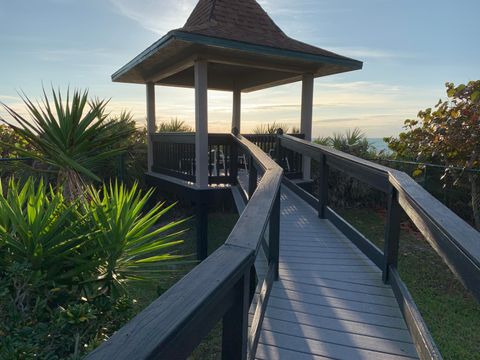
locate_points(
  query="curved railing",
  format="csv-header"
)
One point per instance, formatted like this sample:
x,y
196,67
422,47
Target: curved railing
x,y
218,288
453,239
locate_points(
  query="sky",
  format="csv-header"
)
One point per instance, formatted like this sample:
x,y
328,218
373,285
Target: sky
x,y
410,48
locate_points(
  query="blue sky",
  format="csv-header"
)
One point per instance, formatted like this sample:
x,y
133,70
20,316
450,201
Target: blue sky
x,y
409,48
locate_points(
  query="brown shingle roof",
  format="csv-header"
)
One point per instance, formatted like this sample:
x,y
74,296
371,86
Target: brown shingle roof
x,y
246,21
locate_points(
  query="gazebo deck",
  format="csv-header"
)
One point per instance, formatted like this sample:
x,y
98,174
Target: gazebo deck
x,y
330,301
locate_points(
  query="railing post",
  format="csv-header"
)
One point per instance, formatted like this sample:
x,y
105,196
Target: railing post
x,y
392,233
235,322
252,178
274,235
278,145
234,158
202,224
323,187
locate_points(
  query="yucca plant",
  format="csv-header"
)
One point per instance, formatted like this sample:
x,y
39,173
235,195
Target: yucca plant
x,y
129,247
39,228
72,135
270,128
174,125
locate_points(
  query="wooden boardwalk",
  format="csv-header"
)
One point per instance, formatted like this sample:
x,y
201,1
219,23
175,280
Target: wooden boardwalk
x,y
330,301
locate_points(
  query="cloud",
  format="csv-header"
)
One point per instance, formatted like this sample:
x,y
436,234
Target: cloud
x,y
158,16
369,53
64,54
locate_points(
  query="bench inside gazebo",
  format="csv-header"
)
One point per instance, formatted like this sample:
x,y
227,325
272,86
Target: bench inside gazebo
x,y
294,280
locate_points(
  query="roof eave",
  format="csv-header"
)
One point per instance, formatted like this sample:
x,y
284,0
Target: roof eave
x,y
348,63
265,50
152,49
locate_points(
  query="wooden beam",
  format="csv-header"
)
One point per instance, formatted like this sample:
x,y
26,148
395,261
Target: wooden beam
x,y
151,119
306,119
236,113
235,58
157,75
201,123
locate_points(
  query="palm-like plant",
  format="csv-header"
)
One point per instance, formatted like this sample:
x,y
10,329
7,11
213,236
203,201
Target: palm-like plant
x,y
72,136
270,128
352,142
128,248
37,227
174,125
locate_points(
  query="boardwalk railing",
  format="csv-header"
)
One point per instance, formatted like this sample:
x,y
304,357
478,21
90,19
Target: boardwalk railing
x,y
174,155
220,288
452,238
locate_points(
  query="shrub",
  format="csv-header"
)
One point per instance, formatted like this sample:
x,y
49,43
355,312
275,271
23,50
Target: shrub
x,y
344,190
64,265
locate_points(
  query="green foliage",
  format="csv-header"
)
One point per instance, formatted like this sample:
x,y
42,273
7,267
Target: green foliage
x,y
174,125
72,136
270,128
131,164
14,140
352,142
449,134
128,247
64,265
345,190
39,227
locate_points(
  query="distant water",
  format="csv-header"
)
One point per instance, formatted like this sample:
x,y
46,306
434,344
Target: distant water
x,y
378,144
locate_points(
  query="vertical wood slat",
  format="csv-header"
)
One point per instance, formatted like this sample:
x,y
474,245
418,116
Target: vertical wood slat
x,y
235,322
252,178
274,236
323,187
392,233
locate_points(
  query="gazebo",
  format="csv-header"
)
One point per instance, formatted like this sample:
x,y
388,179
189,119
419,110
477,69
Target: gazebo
x,y
229,45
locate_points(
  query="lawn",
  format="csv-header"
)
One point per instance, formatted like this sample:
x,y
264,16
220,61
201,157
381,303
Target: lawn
x,y
451,313
219,227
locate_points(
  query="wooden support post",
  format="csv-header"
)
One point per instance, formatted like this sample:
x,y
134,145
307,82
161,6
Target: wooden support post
x,y
323,187
237,108
201,124
150,122
274,235
278,147
306,119
392,233
235,323
252,178
202,224
234,159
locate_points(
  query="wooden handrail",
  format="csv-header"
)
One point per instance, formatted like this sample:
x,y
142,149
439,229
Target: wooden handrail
x,y
218,288
451,237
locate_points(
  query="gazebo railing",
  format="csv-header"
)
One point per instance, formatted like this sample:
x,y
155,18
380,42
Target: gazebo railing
x,y
174,155
220,288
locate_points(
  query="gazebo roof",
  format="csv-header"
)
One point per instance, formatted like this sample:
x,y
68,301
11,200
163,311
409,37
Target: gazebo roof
x,y
246,50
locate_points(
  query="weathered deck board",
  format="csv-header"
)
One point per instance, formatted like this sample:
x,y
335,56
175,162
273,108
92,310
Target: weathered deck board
x,y
330,302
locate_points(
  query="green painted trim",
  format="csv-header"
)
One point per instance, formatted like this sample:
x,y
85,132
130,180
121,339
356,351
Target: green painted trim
x,y
145,54
265,50
352,64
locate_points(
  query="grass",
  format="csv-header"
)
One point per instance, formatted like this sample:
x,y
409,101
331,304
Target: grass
x,y
452,314
219,227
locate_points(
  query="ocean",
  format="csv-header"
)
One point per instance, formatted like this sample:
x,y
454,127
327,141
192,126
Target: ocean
x,y
378,144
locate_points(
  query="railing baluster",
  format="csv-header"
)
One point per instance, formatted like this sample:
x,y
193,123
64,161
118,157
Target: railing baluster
x,y
234,162
235,322
252,178
392,233
323,187
274,235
